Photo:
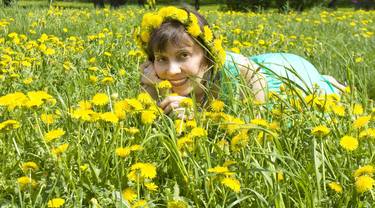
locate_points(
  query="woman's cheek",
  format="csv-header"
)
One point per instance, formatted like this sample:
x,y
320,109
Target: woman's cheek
x,y
158,70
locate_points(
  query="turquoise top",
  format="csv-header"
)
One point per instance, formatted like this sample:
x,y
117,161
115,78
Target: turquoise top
x,y
276,67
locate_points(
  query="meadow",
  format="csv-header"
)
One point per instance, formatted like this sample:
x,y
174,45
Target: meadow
x,y
75,130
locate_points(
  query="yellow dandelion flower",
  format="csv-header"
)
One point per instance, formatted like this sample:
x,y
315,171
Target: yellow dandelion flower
x,y
109,117
235,50
106,53
93,68
156,20
148,117
191,124
279,176
219,51
217,105
239,141
357,109
181,15
140,204
198,132
365,170
13,100
347,89
185,143
136,147
100,99
49,51
358,59
120,109
173,12
208,36
186,103
145,98
177,204
335,187
156,109
164,85
232,183
275,126
320,131
84,167
37,98
54,134
338,110
151,186
368,133
28,81
129,194
85,115
122,72
132,130
9,124
25,181
361,122
276,112
193,28
260,122
349,143
56,202
108,80
132,105
229,163
60,149
29,166
123,151
93,79
143,170
92,60
218,170
237,31
151,20
364,183
47,118
179,126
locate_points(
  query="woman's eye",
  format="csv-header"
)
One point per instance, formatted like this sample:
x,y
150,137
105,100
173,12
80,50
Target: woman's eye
x,y
160,59
184,55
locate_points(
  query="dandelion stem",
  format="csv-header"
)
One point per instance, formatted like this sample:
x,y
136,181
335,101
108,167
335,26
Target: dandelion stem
x,y
317,173
225,198
323,165
16,147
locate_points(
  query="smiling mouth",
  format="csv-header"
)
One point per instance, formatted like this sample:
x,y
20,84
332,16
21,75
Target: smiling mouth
x,y
177,83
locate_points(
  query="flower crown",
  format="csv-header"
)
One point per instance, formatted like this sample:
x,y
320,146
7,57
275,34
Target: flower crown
x,y
153,20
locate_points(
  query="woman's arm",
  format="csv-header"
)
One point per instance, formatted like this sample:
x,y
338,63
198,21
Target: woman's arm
x,y
254,78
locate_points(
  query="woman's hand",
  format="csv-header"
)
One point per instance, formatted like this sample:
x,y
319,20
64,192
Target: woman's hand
x,y
171,104
149,76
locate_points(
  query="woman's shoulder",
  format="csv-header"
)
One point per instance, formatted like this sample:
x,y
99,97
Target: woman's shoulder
x,y
239,61
235,58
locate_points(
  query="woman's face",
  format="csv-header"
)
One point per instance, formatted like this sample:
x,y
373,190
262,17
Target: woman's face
x,y
183,67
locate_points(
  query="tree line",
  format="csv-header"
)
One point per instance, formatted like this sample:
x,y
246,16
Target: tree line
x,y
237,5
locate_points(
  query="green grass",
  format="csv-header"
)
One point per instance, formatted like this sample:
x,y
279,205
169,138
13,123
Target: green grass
x,y
90,172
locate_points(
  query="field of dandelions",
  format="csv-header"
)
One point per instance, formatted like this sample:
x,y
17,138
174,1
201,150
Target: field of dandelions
x,y
75,130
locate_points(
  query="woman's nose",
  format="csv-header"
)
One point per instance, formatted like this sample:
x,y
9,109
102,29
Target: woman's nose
x,y
173,69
